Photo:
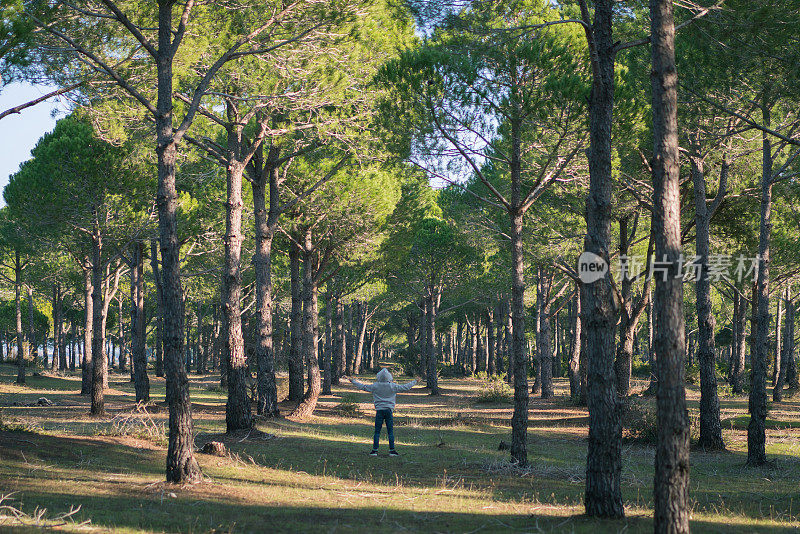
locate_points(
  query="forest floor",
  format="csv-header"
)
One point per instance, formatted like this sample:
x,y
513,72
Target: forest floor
x,y
292,476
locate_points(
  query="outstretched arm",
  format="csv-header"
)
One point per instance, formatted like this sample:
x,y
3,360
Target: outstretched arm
x,y
400,388
359,385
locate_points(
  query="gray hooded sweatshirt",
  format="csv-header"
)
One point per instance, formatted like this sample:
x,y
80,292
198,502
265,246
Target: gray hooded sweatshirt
x,y
383,389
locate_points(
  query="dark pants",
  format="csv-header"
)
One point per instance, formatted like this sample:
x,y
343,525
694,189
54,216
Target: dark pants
x,y
380,417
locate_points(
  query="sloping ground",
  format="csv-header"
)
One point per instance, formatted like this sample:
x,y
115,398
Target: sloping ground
x,y
291,476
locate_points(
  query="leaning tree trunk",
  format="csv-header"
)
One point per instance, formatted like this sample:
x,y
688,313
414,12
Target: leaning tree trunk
x,y
671,484
238,415
757,403
138,355
181,464
18,316
710,427
296,332
603,497
310,332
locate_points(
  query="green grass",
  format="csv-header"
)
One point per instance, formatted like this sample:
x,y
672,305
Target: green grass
x,y
316,475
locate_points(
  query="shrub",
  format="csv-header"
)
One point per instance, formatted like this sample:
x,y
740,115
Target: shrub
x,y
640,368
639,421
348,406
495,391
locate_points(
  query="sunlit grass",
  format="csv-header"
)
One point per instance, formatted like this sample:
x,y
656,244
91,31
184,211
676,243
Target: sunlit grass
x,y
297,476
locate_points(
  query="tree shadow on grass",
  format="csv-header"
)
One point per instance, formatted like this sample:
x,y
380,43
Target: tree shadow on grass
x,y
184,512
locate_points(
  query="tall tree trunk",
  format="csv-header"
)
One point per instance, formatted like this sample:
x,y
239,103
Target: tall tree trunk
x,y
295,350
20,342
310,331
788,349
123,365
737,370
98,352
430,334
543,339
181,466
710,427
575,349
778,345
238,415
671,493
159,347
362,330
327,367
55,312
491,342
509,338
262,260
519,417
757,403
339,348
603,497
624,356
138,354
88,329
31,326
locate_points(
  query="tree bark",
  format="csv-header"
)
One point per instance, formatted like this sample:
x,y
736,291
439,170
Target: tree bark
x,y
138,354
737,369
159,347
519,418
295,349
18,317
788,349
362,330
757,402
575,349
98,352
265,223
490,342
543,339
238,415
778,345
339,348
310,331
603,497
88,328
671,484
181,466
32,329
710,426
430,334
327,356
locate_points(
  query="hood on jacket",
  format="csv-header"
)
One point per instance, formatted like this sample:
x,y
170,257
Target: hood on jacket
x,y
384,376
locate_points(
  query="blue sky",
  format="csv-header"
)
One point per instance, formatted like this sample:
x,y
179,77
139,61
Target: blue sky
x,y
19,133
